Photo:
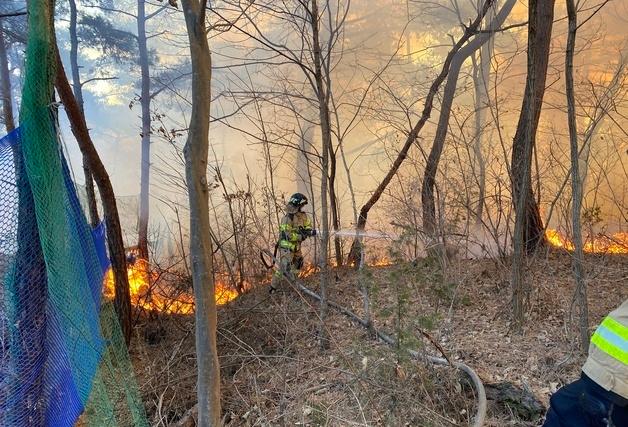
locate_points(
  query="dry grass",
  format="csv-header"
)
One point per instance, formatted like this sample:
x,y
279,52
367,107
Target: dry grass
x,y
273,372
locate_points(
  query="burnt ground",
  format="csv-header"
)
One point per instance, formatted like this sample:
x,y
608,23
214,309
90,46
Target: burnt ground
x,y
274,373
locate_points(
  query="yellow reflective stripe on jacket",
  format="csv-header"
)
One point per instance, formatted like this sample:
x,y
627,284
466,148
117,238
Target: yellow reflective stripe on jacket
x,y
289,233
616,327
287,245
612,338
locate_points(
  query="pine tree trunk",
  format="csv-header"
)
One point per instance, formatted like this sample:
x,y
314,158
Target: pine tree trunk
x,y
196,151
145,99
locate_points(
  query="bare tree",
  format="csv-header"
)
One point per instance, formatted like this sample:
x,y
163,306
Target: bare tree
x,y
78,94
196,153
528,232
481,81
431,167
576,182
331,19
469,31
323,94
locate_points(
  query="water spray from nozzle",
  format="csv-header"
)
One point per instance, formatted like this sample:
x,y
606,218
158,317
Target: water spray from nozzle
x,y
362,234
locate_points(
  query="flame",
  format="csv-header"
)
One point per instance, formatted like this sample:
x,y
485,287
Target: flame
x,y
156,299
308,270
224,293
381,262
601,244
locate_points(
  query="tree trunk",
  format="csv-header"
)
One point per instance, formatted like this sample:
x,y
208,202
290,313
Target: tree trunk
x,y
354,254
76,78
430,225
323,103
78,94
481,80
122,300
236,233
528,232
576,182
145,99
5,85
333,202
480,84
303,184
539,37
196,150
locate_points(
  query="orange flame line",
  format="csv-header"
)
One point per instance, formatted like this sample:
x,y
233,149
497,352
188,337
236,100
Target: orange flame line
x,y
615,244
143,296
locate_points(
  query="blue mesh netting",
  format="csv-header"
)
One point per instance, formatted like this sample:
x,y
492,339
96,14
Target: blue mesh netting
x,y
62,355
48,353
61,350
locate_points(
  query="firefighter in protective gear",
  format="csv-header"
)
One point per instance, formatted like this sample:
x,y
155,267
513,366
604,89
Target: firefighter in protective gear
x,y
600,396
295,227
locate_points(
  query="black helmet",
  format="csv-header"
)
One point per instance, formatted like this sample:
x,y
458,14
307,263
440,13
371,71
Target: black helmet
x,y
297,200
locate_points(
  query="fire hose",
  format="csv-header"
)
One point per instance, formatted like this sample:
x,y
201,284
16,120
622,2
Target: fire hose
x,y
273,256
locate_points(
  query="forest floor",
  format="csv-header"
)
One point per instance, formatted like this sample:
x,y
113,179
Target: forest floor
x,y
274,373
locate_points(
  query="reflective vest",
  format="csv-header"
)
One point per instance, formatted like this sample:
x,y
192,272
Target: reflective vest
x,y
607,363
290,236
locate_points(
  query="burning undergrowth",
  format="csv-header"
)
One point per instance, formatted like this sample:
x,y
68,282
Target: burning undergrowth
x,y
616,243
165,290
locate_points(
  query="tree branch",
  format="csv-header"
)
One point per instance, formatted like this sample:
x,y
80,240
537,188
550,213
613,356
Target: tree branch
x,y
12,14
593,14
93,79
113,10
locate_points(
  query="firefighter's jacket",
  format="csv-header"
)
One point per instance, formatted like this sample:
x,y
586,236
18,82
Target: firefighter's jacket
x,y
294,228
607,363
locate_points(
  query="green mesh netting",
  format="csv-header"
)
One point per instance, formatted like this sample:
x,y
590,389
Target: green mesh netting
x,y
63,360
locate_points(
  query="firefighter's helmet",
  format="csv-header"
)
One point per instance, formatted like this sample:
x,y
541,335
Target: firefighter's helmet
x,y
298,200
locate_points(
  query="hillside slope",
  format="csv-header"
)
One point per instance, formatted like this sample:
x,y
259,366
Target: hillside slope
x,y
273,372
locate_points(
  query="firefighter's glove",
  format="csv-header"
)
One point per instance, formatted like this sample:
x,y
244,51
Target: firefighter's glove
x,y
306,232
